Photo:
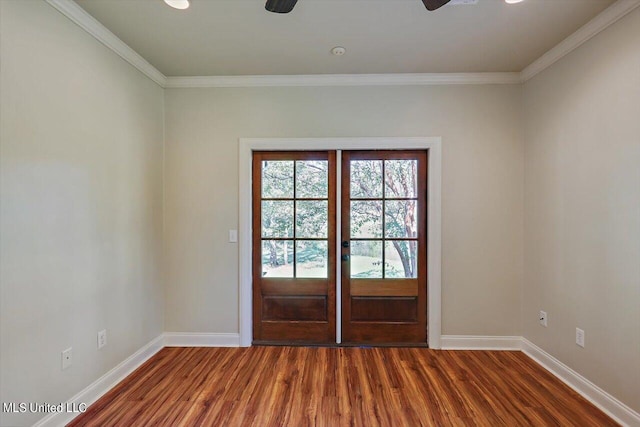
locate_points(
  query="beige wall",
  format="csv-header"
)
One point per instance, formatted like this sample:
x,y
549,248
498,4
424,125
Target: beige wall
x,y
582,209
481,195
81,206
81,209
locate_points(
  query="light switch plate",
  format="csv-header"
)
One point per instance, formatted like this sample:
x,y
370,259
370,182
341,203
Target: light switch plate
x,y
233,236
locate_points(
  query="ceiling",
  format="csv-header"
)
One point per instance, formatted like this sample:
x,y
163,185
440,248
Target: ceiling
x,y
238,37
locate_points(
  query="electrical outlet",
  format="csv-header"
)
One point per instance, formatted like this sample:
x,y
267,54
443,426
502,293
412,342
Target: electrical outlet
x,y
580,337
102,338
67,358
543,318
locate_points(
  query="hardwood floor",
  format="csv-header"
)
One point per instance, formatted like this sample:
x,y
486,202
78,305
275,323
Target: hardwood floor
x,y
307,386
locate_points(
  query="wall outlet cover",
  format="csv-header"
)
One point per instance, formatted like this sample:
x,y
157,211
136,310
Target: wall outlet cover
x,y
67,358
542,318
102,338
580,337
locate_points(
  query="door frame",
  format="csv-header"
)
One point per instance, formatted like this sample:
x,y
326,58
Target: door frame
x,y
433,145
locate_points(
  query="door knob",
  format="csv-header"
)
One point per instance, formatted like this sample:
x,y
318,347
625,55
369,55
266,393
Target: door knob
x,y
345,244
345,257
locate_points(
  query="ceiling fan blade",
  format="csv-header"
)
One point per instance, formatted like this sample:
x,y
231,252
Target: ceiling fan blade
x,y
434,4
280,6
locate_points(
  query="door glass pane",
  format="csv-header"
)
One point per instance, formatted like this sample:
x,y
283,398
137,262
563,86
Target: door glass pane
x,y
277,218
401,178
366,219
277,258
401,258
277,179
366,259
311,258
311,219
401,218
366,179
312,179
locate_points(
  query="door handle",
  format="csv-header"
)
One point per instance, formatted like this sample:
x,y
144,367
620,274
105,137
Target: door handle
x,y
345,257
345,244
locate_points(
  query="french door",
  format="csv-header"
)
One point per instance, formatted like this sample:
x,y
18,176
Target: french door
x,y
382,247
294,247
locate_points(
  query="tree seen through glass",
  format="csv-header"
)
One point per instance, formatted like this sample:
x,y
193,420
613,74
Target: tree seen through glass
x,y
294,206
386,220
383,217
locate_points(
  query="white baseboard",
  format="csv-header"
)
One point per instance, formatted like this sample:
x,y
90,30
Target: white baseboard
x,y
600,398
594,394
103,384
199,339
478,342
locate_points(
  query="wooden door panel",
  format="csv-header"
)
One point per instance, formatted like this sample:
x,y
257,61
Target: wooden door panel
x,y
384,309
295,332
289,306
384,298
372,333
294,308
384,287
295,287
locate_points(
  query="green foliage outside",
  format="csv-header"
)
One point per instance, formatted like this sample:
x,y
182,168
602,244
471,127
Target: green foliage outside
x,y
310,218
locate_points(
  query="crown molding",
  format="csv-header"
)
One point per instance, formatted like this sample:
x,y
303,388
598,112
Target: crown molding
x,y
79,16
344,80
603,20
606,18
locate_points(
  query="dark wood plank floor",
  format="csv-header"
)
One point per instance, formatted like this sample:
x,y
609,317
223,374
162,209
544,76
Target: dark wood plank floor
x,y
307,386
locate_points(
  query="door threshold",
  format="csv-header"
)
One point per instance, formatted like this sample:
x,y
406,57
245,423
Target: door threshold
x,y
391,344
338,345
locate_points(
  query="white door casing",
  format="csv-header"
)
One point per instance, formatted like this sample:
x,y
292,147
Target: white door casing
x,y
434,218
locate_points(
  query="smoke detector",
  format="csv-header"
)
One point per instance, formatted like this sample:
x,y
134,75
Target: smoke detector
x,y
338,51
